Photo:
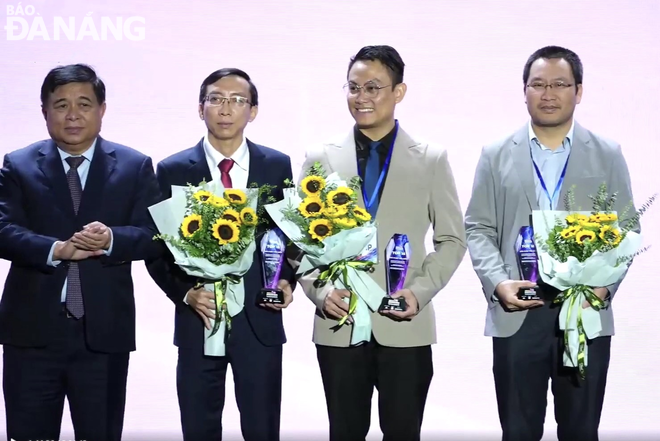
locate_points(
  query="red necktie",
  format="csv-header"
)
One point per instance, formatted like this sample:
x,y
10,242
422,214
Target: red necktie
x,y
226,165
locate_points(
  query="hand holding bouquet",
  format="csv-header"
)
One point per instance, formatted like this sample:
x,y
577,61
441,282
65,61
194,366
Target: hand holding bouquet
x,y
580,250
322,218
211,231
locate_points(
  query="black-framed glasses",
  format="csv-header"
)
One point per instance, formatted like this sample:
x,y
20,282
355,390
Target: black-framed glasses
x,y
234,101
370,89
540,86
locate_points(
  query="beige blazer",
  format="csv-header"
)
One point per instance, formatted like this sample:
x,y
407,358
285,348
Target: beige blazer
x,y
419,193
504,195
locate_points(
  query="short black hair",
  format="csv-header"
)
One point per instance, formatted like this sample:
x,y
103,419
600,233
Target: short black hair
x,y
555,52
225,72
72,73
387,55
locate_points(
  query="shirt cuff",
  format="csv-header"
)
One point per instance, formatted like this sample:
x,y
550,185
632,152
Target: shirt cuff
x,y
49,260
109,250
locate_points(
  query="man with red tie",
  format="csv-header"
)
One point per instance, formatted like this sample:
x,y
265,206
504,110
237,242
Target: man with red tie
x,y
228,101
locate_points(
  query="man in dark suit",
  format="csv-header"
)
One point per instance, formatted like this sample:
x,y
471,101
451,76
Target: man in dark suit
x,y
228,101
73,216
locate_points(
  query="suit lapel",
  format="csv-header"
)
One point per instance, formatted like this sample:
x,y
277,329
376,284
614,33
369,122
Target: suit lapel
x,y
257,165
50,164
576,162
342,158
523,166
199,168
101,168
399,171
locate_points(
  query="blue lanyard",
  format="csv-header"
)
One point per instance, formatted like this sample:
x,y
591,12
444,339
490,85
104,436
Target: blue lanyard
x,y
559,183
369,201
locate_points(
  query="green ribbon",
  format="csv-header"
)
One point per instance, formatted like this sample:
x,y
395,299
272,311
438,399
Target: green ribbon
x,y
220,288
338,270
572,295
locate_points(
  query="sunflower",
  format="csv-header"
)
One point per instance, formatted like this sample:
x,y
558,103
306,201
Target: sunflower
x,y
361,214
191,224
319,229
236,197
612,217
312,185
334,211
569,232
581,218
610,235
599,218
583,235
218,202
203,195
248,216
571,219
345,222
340,196
311,207
589,224
225,231
232,215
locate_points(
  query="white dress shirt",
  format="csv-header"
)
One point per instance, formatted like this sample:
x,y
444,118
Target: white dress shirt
x,y
550,163
83,171
239,172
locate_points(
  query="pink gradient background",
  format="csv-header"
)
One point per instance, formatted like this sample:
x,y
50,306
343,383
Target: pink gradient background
x,y
464,63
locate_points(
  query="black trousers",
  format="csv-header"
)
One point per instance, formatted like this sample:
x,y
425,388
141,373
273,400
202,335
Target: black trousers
x,y
36,381
257,371
401,375
524,363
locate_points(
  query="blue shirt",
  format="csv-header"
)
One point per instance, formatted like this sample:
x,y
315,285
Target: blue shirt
x,y
550,163
83,171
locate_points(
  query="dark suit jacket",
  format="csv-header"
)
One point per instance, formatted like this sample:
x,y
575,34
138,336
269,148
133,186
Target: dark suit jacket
x,y
36,210
267,166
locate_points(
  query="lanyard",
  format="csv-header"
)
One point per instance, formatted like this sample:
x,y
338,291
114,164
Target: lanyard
x,y
369,201
557,187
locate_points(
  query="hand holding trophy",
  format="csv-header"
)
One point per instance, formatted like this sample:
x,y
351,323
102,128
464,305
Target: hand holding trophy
x,y
397,259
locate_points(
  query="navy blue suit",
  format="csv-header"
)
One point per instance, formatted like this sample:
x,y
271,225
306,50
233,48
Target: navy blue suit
x,y
47,353
254,346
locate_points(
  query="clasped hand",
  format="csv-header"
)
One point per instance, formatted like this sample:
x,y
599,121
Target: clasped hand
x,y
92,241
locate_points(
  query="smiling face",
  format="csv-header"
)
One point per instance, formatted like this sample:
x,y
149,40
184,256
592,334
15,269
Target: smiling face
x,y
371,98
73,116
551,93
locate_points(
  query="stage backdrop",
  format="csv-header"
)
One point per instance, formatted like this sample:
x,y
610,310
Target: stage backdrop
x,y
464,62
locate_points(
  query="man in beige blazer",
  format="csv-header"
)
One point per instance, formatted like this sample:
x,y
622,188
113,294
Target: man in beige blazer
x,y
527,349
418,193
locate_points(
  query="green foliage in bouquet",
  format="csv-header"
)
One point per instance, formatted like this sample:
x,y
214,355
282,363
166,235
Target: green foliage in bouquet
x,y
326,209
581,235
219,228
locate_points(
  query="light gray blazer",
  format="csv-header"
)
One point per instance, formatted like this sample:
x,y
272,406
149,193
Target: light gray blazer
x,y
419,195
504,195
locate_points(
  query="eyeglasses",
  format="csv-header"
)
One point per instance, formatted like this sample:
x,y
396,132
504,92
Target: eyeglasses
x,y
370,89
234,101
541,87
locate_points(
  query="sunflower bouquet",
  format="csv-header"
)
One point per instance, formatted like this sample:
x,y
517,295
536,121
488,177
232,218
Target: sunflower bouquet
x,y
322,218
579,250
211,233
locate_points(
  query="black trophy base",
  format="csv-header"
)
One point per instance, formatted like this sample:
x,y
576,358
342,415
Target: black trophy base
x,y
390,304
529,294
272,296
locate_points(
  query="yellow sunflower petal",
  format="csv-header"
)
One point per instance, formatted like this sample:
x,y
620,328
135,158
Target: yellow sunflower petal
x,y
225,231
